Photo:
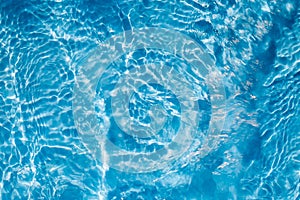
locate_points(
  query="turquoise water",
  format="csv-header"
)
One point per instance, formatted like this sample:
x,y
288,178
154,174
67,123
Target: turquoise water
x,y
149,99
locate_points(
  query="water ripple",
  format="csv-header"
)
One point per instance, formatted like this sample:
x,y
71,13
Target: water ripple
x,y
255,44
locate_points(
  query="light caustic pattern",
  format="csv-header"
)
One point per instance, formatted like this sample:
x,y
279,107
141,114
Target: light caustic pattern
x,y
151,104
135,111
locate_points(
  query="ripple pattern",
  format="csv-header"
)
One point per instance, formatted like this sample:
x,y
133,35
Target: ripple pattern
x,y
253,44
177,84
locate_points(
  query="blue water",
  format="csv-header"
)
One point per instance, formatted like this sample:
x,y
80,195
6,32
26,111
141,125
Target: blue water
x,y
207,106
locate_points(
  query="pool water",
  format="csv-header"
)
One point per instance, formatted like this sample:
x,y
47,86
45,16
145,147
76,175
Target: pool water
x,y
150,99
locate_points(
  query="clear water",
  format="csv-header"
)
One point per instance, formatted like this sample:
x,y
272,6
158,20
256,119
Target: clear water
x,y
203,105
